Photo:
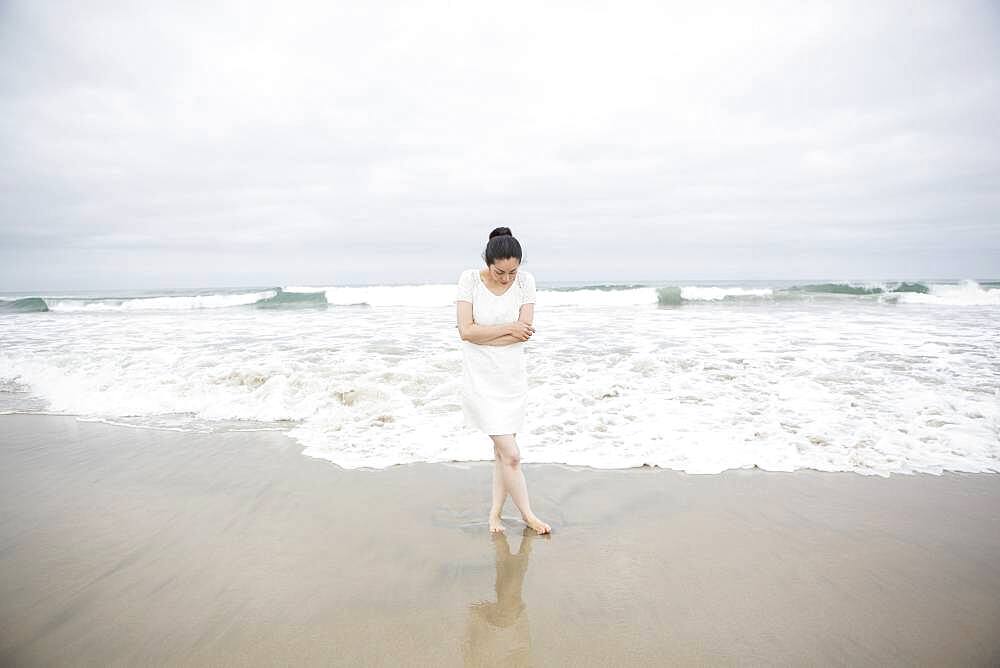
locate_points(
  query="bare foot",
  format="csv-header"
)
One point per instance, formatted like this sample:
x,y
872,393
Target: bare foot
x,y
496,524
536,524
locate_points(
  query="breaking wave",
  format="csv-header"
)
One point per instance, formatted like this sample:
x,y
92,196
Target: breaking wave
x,y
853,289
961,293
24,305
159,303
285,299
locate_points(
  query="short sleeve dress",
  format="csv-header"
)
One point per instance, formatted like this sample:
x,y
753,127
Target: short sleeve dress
x,y
494,378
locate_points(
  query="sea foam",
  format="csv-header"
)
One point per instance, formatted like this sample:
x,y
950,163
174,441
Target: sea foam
x,y
843,383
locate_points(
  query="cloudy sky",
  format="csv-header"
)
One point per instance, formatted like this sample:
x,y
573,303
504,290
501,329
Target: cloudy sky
x,y
195,144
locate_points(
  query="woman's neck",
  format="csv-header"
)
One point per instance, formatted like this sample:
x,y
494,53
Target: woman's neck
x,y
494,285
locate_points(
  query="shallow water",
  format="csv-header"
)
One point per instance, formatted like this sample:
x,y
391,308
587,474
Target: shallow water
x,y
876,383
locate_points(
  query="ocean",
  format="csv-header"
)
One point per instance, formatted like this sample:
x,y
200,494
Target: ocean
x,y
875,377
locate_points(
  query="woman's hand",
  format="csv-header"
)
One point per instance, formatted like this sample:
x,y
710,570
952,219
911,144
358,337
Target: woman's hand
x,y
521,331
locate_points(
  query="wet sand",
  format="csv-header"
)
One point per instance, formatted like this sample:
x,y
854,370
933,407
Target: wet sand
x,y
137,547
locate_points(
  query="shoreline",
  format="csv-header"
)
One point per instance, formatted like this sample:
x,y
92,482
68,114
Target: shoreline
x,y
133,545
462,462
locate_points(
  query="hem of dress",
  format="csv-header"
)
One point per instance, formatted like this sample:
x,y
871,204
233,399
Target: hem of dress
x,y
495,432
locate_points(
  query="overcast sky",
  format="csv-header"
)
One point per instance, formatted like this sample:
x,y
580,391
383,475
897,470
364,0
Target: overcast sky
x,y
199,144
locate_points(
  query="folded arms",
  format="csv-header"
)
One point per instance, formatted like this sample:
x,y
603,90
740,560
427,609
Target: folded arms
x,y
495,335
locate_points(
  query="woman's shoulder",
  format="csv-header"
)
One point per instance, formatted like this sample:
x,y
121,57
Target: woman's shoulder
x,y
525,277
469,282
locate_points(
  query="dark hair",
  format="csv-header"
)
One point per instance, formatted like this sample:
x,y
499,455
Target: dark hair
x,y
501,246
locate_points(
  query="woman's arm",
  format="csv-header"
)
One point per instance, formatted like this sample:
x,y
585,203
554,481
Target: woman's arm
x,y
470,331
494,335
525,317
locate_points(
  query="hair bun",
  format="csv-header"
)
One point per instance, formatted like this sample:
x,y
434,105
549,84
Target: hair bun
x,y
501,232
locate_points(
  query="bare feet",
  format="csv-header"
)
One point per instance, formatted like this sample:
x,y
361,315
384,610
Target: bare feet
x,y
536,524
496,524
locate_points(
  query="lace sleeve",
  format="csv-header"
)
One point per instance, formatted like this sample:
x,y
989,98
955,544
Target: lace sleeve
x,y
527,288
465,286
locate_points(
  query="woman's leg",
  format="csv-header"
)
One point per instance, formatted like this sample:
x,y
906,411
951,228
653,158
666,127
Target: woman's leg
x,y
513,480
499,493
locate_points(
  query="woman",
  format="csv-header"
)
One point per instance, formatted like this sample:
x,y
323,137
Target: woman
x,y
496,306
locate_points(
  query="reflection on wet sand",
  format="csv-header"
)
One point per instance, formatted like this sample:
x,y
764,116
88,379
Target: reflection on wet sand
x,y
497,633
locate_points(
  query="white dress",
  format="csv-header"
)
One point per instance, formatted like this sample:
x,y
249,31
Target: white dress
x,y
495,378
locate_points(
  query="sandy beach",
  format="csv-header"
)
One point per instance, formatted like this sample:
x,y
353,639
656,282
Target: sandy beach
x,y
140,547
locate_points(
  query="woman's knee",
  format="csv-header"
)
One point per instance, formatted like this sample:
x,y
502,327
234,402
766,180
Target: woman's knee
x,y
512,458
506,449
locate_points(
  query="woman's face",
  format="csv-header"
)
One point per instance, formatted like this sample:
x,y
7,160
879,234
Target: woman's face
x,y
504,271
